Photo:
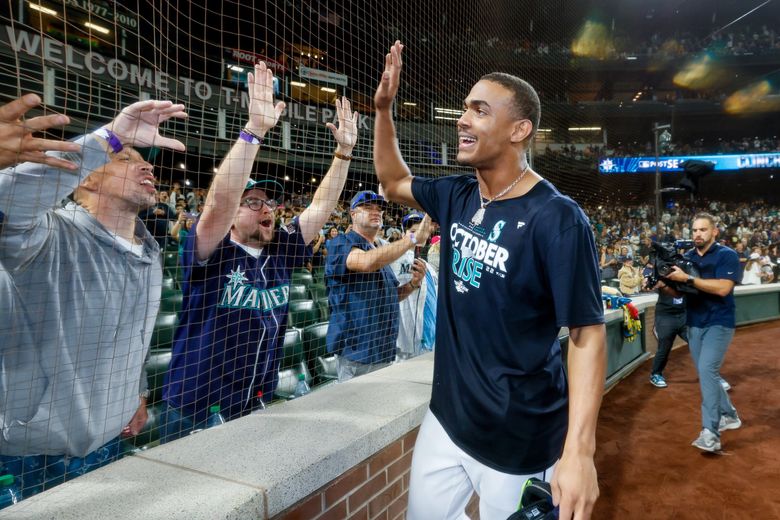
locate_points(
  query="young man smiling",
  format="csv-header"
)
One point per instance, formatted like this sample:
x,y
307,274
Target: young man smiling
x,y
237,271
521,264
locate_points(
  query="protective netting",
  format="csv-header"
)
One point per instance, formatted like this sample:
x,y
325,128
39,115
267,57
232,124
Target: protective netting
x,y
214,320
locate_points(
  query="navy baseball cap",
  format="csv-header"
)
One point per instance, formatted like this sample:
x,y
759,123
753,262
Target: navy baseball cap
x,y
272,188
367,197
411,219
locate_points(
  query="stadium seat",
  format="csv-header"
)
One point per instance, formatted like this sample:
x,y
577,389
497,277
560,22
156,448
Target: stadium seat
x,y
318,273
171,259
302,278
315,344
156,367
298,292
164,327
327,369
288,378
324,308
302,313
317,291
177,273
171,300
292,348
168,283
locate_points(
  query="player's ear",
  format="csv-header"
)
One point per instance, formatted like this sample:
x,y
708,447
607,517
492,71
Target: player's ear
x,y
522,128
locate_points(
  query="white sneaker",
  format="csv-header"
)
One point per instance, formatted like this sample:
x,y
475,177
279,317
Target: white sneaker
x,y
725,384
707,441
729,423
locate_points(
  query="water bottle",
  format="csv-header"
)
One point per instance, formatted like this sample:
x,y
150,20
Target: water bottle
x,y
215,418
259,404
302,388
9,493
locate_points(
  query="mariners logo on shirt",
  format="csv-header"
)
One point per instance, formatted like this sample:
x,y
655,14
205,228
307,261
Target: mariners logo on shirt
x,y
237,294
496,231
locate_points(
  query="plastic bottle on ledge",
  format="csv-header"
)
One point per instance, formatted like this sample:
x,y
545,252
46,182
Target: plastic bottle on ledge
x,y
302,388
9,493
259,403
215,418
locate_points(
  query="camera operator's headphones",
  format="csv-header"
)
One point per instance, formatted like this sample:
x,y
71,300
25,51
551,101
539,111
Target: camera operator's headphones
x,y
536,502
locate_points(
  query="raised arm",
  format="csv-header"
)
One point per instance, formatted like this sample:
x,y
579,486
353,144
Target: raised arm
x,y
375,259
327,195
17,143
393,173
30,189
232,175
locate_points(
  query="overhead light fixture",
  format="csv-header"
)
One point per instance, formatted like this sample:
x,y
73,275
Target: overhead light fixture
x,y
297,84
410,104
328,89
453,111
631,57
447,117
236,68
98,28
44,10
287,177
585,129
544,130
182,166
216,169
187,182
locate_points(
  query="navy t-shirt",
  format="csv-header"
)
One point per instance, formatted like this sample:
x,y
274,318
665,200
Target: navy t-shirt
x,y
705,309
506,287
363,323
232,324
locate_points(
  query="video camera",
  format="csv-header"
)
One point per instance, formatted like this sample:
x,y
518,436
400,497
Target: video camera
x,y
663,257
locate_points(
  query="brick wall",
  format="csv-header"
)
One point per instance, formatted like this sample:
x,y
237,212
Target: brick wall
x,y
374,489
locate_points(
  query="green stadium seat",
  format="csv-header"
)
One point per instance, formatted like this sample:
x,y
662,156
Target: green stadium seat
x,y
318,273
317,291
302,313
324,308
302,278
156,368
292,348
168,283
171,300
327,370
315,343
298,292
177,273
164,327
288,378
171,259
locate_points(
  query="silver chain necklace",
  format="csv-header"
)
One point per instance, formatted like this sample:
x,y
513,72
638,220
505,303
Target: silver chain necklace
x,y
480,214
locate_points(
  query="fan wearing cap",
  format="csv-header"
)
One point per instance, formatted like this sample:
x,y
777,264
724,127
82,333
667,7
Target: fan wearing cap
x,y
411,338
237,271
363,292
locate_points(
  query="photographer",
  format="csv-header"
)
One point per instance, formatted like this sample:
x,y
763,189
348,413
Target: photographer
x,y
711,322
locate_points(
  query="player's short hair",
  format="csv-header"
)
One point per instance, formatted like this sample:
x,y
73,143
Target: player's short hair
x,y
706,216
526,100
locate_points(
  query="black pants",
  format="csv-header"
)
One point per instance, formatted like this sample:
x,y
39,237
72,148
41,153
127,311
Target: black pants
x,y
667,326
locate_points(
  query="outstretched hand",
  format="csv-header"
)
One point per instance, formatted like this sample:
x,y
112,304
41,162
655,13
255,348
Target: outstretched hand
x,y
346,133
391,77
138,124
263,114
17,143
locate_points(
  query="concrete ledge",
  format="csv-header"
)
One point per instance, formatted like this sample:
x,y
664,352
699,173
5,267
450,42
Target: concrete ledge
x,y
253,467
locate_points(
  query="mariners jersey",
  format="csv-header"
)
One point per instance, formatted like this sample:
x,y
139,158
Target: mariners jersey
x,y
232,324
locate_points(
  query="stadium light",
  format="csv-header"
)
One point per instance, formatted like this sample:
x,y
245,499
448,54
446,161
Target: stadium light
x,y
44,10
453,111
297,84
585,129
328,89
236,68
98,28
410,104
287,177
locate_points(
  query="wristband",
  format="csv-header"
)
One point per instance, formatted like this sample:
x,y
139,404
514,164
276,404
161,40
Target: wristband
x,y
342,156
249,137
113,141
